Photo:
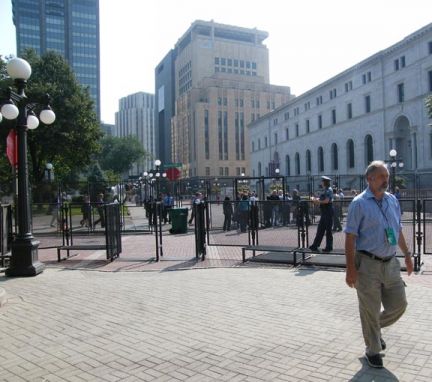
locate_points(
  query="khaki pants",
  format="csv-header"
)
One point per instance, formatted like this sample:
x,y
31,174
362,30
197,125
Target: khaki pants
x,y
378,283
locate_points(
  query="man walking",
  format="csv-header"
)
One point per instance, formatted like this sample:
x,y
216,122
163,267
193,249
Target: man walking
x,y
373,232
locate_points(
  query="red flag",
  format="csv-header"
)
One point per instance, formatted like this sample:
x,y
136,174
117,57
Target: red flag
x,y
12,148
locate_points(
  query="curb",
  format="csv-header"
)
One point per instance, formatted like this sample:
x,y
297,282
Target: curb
x,y
2,297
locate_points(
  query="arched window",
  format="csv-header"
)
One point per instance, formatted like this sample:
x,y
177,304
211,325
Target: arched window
x,y
297,164
368,149
308,161
259,169
287,166
335,157
320,159
350,153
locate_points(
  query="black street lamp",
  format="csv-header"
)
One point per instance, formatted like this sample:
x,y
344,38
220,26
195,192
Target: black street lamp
x,y
24,249
49,167
158,175
394,164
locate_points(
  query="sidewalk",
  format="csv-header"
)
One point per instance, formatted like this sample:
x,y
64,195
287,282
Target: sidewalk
x,y
266,324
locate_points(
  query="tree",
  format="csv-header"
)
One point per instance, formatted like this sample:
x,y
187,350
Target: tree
x,y
119,154
71,141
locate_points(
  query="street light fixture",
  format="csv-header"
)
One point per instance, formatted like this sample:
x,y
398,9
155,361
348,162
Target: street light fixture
x,y
49,167
24,249
394,164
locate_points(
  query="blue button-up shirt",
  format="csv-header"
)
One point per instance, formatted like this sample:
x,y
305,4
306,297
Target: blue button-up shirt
x,y
368,221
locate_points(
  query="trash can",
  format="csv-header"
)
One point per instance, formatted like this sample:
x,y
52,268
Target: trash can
x,y
179,220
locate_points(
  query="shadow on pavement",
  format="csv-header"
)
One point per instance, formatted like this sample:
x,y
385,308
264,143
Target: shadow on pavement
x,y
367,373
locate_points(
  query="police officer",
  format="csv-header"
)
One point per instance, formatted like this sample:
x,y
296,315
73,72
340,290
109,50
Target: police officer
x,y
325,202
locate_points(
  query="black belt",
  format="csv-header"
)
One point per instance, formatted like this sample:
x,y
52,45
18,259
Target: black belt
x,y
372,256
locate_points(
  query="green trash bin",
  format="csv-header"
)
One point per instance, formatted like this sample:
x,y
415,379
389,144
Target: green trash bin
x,y
179,220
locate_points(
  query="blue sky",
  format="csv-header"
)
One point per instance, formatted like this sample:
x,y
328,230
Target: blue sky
x,y
309,40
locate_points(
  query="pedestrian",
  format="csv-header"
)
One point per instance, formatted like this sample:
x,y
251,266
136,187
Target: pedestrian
x,y
337,211
243,213
325,202
397,195
55,210
228,212
195,200
168,204
86,212
373,232
101,211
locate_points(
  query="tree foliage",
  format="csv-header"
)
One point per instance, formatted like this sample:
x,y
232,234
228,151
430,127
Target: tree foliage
x,y
70,142
119,154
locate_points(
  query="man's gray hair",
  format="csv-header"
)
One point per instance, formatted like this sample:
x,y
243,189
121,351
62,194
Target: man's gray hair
x,y
373,166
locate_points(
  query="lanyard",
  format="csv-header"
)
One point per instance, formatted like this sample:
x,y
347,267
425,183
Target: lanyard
x,y
379,204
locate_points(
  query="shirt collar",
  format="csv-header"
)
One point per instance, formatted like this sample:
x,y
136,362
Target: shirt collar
x,y
370,195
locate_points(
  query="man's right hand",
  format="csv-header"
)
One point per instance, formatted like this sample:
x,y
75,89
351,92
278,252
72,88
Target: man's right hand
x,y
351,276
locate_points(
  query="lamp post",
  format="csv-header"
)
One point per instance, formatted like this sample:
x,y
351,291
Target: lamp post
x,y
24,249
158,175
49,167
394,164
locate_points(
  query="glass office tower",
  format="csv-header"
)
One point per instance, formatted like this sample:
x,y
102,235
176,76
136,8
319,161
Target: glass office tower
x,y
69,27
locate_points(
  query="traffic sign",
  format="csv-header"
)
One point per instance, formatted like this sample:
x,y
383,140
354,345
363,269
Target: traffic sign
x,y
171,165
173,173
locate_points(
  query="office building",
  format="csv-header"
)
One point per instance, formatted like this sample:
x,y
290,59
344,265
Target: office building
x,y
220,74
136,118
69,27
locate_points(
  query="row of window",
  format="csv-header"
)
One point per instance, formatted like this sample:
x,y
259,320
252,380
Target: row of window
x,y
334,158
235,71
236,63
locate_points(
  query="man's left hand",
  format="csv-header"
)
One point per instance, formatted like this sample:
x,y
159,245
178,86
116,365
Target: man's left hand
x,y
409,264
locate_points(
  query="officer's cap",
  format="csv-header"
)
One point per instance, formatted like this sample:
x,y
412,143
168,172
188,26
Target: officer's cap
x,y
326,178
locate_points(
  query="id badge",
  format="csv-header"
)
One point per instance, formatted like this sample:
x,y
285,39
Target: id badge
x,y
390,235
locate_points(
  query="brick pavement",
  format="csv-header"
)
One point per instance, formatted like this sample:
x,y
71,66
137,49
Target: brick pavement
x,y
224,324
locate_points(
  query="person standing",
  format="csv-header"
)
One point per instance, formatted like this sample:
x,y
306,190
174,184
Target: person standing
x,y
325,202
101,211
373,233
228,212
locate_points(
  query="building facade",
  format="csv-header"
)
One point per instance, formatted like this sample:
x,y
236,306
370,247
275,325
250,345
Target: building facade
x,y
164,105
220,73
341,125
68,27
136,118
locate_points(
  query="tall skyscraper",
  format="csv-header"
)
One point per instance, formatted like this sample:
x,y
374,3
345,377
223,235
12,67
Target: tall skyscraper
x,y
136,118
69,27
216,81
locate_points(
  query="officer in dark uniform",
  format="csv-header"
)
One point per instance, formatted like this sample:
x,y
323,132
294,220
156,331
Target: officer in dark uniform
x,y
325,201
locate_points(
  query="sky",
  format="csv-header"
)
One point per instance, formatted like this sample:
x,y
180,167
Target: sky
x,y
309,41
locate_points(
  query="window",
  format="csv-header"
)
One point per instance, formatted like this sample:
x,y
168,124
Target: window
x,y
369,75
400,93
350,152
297,129
226,171
349,110
236,63
320,159
430,47
221,171
241,102
364,78
223,61
275,121
275,139
259,144
369,149
319,100
334,155
287,134
286,116
287,166
333,112
207,171
307,127
332,93
430,80
308,161
367,104
229,62
206,135
259,169
265,142
320,121
219,101
348,86
396,64
217,60
297,164
225,101
253,146
402,62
